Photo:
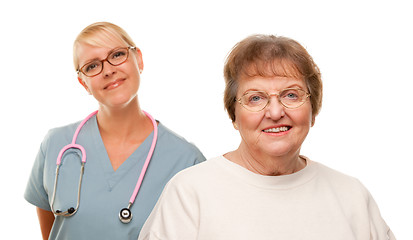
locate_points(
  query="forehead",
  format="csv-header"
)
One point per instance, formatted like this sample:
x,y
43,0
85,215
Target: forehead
x,y
103,38
275,75
96,45
269,84
273,68
87,53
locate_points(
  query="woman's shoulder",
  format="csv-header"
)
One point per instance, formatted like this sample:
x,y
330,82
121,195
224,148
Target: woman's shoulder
x,y
339,180
331,173
196,174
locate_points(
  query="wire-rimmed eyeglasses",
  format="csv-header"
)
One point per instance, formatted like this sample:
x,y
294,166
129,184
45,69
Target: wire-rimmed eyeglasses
x,y
256,101
116,57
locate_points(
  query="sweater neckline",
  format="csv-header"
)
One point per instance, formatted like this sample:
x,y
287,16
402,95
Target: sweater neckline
x,y
271,182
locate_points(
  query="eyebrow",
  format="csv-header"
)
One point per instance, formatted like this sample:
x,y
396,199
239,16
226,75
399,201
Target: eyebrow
x,y
289,86
91,60
295,85
98,59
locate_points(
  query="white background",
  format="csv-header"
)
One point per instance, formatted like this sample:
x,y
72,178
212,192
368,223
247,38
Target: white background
x,y
363,48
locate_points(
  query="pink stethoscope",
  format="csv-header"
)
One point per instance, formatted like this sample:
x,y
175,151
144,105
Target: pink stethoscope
x,y
125,214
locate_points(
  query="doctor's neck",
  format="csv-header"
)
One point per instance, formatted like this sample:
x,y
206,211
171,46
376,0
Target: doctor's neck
x,y
126,118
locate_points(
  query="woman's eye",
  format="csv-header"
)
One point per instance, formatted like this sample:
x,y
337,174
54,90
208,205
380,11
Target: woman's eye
x,y
256,98
291,95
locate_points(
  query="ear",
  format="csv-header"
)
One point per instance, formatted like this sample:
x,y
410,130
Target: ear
x,y
84,85
139,59
235,125
312,121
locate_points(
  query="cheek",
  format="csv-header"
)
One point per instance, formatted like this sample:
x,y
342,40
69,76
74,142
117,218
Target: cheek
x,y
93,86
247,121
86,84
134,64
303,117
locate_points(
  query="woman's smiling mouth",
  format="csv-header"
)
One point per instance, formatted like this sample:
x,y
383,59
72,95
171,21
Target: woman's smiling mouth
x,y
277,129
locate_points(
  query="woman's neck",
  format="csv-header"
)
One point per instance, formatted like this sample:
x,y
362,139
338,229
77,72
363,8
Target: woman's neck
x,y
264,164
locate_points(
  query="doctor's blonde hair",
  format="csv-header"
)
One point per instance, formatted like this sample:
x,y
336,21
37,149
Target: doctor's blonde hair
x,y
100,34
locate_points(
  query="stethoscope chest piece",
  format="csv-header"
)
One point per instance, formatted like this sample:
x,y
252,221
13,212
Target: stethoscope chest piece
x,y
125,215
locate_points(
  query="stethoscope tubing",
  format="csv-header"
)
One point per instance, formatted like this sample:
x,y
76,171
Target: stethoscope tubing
x,y
148,159
73,144
72,211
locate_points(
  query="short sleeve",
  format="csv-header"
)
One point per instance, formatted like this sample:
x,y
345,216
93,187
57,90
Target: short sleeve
x,y
35,192
199,157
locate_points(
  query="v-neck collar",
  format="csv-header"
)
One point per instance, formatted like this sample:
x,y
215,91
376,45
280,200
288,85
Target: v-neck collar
x,y
135,160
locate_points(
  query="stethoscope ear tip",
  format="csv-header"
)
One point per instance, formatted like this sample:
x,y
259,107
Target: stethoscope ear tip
x,y
68,213
125,215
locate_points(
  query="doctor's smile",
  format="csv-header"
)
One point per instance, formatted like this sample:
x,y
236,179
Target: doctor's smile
x,y
114,84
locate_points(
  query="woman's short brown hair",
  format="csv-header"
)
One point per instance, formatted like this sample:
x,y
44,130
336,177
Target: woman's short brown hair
x,y
267,56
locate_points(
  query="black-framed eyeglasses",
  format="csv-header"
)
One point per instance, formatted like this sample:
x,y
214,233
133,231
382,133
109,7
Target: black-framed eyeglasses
x,y
115,58
256,101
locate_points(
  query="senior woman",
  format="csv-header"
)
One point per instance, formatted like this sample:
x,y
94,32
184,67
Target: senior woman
x,y
265,189
125,156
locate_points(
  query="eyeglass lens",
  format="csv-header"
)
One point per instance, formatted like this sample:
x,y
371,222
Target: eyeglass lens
x,y
258,100
115,58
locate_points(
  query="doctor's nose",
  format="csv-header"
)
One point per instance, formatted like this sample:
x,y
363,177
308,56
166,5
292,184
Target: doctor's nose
x,y
108,69
274,109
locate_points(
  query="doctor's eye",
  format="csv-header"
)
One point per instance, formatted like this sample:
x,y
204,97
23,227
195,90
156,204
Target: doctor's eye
x,y
118,55
91,67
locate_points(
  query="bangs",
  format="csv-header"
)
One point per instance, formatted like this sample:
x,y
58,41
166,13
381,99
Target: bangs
x,y
274,68
101,34
103,38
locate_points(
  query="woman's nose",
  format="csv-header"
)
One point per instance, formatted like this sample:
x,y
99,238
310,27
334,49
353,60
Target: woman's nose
x,y
274,110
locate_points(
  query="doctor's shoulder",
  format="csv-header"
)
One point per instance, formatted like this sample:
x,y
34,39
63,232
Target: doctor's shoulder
x,y
59,135
172,144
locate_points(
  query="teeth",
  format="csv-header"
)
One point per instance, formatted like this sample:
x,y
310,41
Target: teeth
x,y
276,130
